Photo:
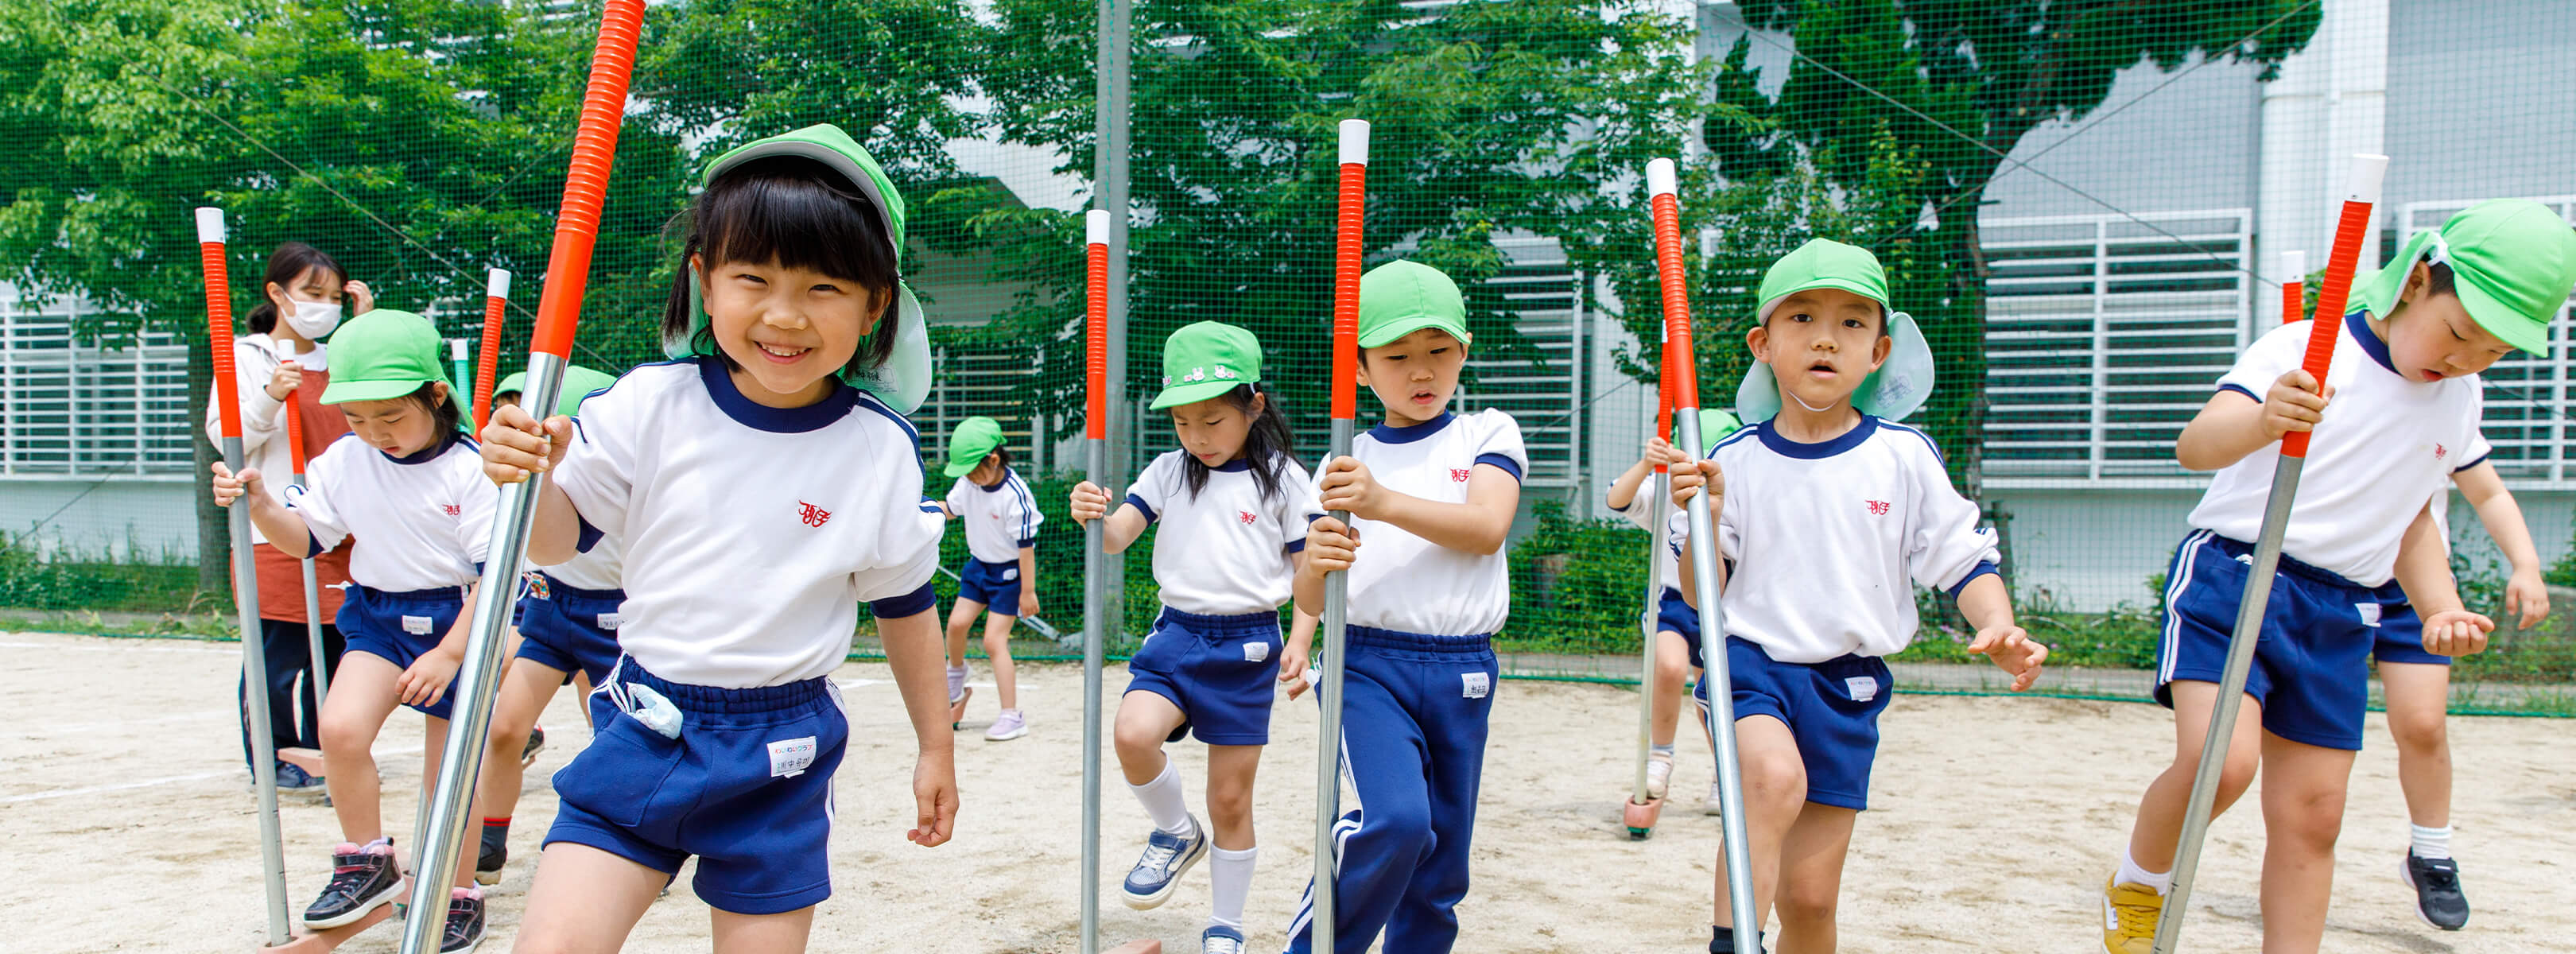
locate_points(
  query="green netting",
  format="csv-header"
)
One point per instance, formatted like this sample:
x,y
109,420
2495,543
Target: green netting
x,y
2085,204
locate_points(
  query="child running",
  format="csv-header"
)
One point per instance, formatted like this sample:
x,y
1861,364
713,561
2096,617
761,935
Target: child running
x,y
763,485
1830,514
1431,496
1001,571
1677,648
2361,559
1234,505
406,485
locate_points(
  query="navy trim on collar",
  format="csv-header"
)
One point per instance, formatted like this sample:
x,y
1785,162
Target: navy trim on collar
x,y
1390,434
424,455
777,420
996,485
1236,466
2358,323
1771,438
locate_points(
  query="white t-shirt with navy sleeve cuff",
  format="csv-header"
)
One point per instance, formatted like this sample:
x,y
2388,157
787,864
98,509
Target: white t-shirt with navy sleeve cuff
x,y
2384,448
999,519
423,522
597,568
1829,539
1403,582
1226,551
751,533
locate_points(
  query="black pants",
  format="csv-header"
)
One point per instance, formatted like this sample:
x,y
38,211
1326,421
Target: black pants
x,y
294,717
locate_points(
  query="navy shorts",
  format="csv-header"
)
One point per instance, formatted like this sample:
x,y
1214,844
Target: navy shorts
x,y
399,627
2401,638
1219,670
1673,615
2310,672
747,788
569,629
996,585
1831,709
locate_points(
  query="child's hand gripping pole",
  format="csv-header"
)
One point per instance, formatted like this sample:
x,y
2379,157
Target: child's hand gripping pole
x,y
1682,367
2350,231
487,364
1329,646
1095,596
227,400
594,146
2294,289
1641,822
312,582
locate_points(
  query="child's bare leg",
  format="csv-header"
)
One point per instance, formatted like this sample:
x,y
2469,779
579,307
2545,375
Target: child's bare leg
x,y
1775,789
1230,772
961,620
762,933
2159,824
1672,665
362,696
1811,878
997,650
585,900
432,750
524,693
1144,720
581,684
2303,795
2418,696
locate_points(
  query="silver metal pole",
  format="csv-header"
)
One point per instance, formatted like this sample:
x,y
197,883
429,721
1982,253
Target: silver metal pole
x,y
1656,541
1109,175
263,749
469,726
1721,701
1094,623
1332,644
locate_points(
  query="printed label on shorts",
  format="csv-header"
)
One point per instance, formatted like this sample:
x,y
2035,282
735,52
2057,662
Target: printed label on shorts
x,y
2369,614
1010,574
1256,651
789,758
1477,685
1862,688
611,620
417,625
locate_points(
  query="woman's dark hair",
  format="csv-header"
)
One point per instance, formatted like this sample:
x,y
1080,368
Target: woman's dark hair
x,y
789,212
1265,446
284,266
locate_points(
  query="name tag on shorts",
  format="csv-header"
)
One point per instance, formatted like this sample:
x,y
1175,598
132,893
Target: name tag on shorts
x,y
789,758
1256,651
416,625
1476,685
1011,574
2369,614
611,620
1862,688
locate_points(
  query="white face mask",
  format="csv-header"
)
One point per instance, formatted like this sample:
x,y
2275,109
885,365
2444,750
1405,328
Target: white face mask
x,y
313,319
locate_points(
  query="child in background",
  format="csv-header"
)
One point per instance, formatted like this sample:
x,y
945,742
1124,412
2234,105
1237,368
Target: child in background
x,y
406,485
1431,496
1234,505
1001,571
1677,650
1829,513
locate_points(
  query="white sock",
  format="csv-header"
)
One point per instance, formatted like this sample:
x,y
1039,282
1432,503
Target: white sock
x,y
1663,750
2130,873
1231,874
1165,803
2432,844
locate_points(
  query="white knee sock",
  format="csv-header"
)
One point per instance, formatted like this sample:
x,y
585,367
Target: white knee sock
x,y
2130,873
1165,803
1230,872
2432,844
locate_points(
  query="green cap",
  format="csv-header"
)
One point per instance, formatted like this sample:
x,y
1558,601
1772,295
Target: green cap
x,y
974,438
578,383
2513,262
1400,297
1713,425
1205,360
382,355
1898,387
904,379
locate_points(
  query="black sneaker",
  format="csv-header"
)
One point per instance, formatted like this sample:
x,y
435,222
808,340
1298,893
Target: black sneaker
x,y
1722,941
536,744
361,879
293,780
493,854
2438,899
464,923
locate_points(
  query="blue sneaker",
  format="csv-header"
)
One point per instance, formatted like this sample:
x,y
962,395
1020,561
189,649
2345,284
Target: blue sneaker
x,y
1159,870
293,780
1221,940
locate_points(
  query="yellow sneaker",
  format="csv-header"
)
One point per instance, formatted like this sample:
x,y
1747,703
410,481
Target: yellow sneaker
x,y
2129,915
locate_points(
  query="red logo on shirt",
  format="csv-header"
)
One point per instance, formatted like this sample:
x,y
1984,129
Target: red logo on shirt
x,y
1245,516
452,509
1878,508
2439,451
1459,475
812,516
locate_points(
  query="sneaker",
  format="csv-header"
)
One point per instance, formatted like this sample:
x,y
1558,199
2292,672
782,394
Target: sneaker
x,y
2129,916
464,922
956,684
1721,940
1011,724
536,744
1221,940
1715,805
293,780
492,856
1159,869
1659,774
361,879
2438,899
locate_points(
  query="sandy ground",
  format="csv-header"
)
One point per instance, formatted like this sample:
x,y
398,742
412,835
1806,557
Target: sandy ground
x,y
129,826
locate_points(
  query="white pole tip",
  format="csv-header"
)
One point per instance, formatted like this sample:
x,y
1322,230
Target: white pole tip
x,y
210,224
1095,227
2367,169
456,349
1661,179
499,285
1355,141
2294,265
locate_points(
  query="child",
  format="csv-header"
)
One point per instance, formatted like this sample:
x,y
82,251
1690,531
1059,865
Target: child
x,y
1234,505
1001,563
1830,513
763,485
2360,552
1677,649
405,485
567,629
1431,497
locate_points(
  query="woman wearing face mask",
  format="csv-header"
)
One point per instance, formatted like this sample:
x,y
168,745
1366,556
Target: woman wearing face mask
x,y
305,294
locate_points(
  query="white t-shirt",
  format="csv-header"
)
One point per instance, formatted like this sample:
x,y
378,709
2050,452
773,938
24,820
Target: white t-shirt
x,y
751,532
594,569
255,361
1403,582
999,519
2385,446
1224,552
422,522
1829,539
1641,511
